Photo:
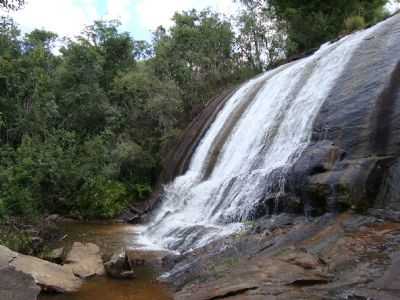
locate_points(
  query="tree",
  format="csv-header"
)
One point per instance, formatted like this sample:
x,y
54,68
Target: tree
x,y
309,23
11,4
197,54
261,43
312,22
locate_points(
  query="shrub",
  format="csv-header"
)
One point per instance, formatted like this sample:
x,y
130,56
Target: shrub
x,y
354,23
101,198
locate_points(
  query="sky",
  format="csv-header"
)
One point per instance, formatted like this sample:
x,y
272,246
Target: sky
x,y
139,17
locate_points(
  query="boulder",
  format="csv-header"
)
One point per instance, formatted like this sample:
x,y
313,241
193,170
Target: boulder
x,y
16,285
84,260
118,266
49,276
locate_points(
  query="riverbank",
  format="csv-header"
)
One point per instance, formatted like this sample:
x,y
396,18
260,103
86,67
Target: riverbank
x,y
110,238
344,256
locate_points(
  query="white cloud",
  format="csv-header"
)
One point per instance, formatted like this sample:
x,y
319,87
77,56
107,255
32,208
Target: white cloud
x,y
69,17
65,17
121,10
153,13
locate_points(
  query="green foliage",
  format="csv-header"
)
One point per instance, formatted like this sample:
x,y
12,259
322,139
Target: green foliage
x,y
80,133
84,132
310,23
307,24
15,240
354,23
198,55
260,40
101,198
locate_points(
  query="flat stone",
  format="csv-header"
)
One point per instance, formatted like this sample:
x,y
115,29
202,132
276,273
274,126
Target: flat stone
x,y
16,285
50,276
84,260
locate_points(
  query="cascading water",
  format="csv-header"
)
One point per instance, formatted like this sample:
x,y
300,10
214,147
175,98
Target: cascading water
x,y
262,129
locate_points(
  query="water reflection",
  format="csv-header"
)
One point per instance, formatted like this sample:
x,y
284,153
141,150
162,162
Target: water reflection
x,y
110,238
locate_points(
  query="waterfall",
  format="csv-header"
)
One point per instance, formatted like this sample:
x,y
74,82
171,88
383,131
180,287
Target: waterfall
x,y
261,130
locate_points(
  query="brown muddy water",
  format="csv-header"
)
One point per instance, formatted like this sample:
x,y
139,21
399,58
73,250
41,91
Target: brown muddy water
x,y
110,238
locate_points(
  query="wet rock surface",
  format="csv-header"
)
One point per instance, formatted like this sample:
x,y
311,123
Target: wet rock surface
x,y
351,167
352,160
344,256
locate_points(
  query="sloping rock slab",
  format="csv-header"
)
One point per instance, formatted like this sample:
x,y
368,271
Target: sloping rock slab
x,y
84,260
49,276
6,256
16,285
241,279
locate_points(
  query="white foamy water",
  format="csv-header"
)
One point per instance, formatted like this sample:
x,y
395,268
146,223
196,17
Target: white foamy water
x,y
268,137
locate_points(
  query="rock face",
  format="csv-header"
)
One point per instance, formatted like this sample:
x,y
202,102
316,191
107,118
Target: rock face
x,y
84,260
352,161
334,257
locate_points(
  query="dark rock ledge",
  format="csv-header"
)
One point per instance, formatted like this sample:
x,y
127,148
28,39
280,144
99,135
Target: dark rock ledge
x,y
345,256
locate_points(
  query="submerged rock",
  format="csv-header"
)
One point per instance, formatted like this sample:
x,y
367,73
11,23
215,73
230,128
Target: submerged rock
x,y
84,260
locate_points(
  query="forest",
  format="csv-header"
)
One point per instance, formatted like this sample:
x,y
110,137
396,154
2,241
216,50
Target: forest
x,y
85,123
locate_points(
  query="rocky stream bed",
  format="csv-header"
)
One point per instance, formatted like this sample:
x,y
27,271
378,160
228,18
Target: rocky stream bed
x,y
335,256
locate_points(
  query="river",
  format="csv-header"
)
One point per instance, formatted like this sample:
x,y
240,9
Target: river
x,y
110,238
